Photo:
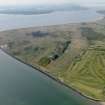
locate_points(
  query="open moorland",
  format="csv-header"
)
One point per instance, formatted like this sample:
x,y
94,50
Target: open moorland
x,y
73,53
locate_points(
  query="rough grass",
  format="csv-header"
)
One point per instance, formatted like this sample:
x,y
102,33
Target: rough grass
x,y
88,74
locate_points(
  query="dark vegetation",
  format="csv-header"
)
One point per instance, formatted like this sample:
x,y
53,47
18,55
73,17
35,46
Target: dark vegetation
x,y
58,51
38,34
44,61
90,34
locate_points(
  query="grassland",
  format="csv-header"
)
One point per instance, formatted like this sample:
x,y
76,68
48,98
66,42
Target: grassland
x,y
73,53
88,73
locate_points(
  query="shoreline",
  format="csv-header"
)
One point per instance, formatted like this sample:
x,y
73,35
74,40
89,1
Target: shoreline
x,y
52,25
99,102
41,70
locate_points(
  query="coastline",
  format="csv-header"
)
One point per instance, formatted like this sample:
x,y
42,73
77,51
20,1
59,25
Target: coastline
x,y
93,101
47,73
22,26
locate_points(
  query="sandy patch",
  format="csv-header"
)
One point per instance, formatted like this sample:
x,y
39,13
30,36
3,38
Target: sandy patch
x,y
102,103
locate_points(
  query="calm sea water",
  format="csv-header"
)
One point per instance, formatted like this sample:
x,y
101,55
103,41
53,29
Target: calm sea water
x,y
23,85
55,18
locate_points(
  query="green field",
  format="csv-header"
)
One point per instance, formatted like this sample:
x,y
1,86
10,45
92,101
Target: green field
x,y
88,73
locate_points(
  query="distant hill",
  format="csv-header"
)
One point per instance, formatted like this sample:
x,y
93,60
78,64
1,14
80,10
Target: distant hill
x,y
24,12
39,9
64,7
101,12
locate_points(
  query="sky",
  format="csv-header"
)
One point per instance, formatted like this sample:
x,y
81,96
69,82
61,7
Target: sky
x,y
27,2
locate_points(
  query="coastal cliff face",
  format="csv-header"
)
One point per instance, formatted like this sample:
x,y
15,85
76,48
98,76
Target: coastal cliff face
x,y
73,53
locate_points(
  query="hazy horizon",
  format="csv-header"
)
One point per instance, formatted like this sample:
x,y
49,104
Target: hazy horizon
x,y
88,3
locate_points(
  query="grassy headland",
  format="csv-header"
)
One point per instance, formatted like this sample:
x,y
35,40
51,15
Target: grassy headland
x,y
73,53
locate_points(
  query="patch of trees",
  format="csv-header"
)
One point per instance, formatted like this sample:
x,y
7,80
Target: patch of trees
x,y
38,34
44,61
58,51
90,34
